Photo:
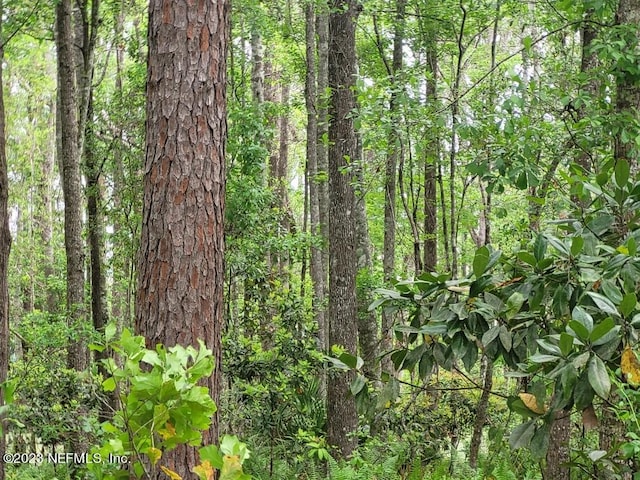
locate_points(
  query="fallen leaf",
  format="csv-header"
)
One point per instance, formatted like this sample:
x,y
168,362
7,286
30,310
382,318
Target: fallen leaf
x,y
172,475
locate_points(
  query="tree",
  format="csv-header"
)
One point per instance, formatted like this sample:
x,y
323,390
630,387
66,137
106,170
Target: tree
x,y
343,326
70,152
181,265
5,246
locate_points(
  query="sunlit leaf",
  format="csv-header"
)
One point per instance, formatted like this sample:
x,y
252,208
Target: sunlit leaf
x,y
531,403
630,366
172,475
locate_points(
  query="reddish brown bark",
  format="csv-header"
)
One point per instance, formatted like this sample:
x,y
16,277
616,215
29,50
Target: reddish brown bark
x,y
181,264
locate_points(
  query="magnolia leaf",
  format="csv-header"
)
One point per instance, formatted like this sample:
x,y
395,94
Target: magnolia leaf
x,y
172,475
480,261
598,377
630,366
531,402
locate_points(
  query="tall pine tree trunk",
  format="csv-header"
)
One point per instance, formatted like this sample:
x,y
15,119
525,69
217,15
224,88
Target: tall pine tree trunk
x,y
181,264
71,179
343,329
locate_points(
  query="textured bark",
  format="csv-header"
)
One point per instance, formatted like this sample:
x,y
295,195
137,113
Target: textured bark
x,y
342,418
628,86
393,151
71,179
181,263
257,69
317,270
5,247
432,153
481,412
367,320
559,454
322,33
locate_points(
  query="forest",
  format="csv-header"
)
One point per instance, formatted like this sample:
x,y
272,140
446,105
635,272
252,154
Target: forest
x,y
320,239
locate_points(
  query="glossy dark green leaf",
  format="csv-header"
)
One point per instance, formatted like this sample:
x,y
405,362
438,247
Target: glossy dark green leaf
x,y
566,343
602,329
583,393
581,316
577,243
599,377
603,303
490,335
540,442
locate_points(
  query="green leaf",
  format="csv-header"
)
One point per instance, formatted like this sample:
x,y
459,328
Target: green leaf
x,y
566,343
603,303
490,335
527,258
540,247
602,329
628,304
543,358
521,435
599,377
514,304
109,385
581,316
621,173
480,261
505,338
109,332
578,329
576,246
358,384
540,442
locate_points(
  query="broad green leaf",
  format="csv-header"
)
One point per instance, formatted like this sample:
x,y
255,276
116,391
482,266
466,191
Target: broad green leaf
x,y
514,304
603,303
583,393
578,329
109,332
109,385
621,173
543,358
505,338
540,247
581,316
540,442
480,261
599,377
576,246
566,343
602,329
526,257
357,385
628,304
490,335
521,435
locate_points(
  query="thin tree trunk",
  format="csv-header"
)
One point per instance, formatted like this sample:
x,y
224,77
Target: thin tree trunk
x,y
322,34
432,158
342,416
391,167
5,247
317,270
181,263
